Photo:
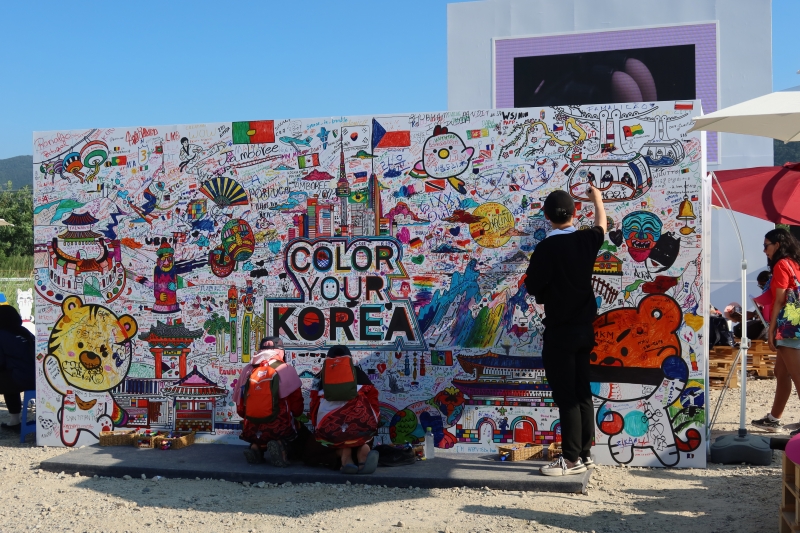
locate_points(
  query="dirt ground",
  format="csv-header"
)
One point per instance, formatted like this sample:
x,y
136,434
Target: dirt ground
x,y
718,499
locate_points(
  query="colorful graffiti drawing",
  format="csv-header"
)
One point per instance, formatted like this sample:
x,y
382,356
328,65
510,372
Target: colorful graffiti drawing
x,y
164,253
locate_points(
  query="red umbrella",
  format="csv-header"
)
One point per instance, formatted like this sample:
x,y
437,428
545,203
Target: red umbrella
x,y
769,193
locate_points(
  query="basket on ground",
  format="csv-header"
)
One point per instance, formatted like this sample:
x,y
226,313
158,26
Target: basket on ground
x,y
554,450
120,437
521,451
145,439
181,439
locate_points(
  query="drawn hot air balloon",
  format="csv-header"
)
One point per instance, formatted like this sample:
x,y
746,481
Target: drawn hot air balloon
x,y
238,239
72,164
220,262
224,191
94,154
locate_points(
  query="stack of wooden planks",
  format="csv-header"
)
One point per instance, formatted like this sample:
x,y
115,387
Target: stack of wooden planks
x,y
760,363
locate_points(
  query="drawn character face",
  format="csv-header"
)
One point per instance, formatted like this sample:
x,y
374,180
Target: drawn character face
x,y
92,344
165,262
445,155
641,230
25,303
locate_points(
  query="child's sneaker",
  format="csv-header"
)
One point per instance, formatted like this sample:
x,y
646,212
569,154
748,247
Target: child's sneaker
x,y
588,462
559,468
768,422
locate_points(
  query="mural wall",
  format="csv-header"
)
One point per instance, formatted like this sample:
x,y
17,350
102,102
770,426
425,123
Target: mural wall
x,y
164,254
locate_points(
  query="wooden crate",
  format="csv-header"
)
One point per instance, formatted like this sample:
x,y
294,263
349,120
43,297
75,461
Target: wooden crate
x,y
185,438
716,380
521,451
120,437
789,516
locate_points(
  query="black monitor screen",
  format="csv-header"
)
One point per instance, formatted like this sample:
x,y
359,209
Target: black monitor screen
x,y
636,75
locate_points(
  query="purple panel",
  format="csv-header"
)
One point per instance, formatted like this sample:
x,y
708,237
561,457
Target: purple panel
x,y
703,36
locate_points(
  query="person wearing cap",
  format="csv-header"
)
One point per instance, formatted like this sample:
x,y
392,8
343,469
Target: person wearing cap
x,y
279,437
559,276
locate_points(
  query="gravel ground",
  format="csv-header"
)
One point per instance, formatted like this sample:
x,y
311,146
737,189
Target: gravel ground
x,y
619,499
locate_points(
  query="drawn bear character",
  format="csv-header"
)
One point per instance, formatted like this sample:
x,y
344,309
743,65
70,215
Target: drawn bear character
x,y
89,353
637,370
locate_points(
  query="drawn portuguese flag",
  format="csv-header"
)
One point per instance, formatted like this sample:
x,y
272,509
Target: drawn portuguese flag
x,y
254,132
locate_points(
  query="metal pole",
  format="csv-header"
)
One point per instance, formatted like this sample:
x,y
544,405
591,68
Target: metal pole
x,y
743,345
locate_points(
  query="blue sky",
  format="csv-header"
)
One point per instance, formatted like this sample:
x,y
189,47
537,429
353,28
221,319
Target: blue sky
x,y
70,65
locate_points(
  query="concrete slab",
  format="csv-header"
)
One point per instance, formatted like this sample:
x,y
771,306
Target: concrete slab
x,y
220,461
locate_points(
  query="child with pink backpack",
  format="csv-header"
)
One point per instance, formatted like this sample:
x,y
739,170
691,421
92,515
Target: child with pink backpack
x,y
268,398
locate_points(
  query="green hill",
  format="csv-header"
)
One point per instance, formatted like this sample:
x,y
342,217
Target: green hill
x,y
18,170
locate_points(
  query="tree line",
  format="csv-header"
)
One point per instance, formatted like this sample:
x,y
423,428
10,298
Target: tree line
x,y
16,207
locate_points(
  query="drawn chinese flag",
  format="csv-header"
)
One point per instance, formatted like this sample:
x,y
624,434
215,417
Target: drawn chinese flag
x,y
254,132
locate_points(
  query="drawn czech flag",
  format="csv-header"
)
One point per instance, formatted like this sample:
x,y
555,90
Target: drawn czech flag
x,y
254,132
389,139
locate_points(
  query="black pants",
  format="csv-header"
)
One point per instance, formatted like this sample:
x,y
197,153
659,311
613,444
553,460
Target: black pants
x,y
565,355
10,394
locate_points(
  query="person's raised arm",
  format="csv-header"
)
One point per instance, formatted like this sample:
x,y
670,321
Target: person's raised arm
x,y
596,198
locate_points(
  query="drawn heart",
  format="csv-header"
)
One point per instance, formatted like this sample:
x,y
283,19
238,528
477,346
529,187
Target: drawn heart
x,y
388,306
615,236
381,367
669,211
693,321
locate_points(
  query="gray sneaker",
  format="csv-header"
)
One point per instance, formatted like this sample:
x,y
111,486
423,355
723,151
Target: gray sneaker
x,y
767,423
588,462
559,468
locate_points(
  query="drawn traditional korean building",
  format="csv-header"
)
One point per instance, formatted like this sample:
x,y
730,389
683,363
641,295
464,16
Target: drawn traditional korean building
x,y
170,344
143,398
82,262
504,381
144,402
608,264
195,398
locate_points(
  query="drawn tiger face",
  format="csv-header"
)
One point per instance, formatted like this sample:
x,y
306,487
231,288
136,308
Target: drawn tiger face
x,y
92,345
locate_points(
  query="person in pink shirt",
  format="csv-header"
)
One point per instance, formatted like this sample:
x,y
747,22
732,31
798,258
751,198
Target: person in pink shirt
x,y
783,257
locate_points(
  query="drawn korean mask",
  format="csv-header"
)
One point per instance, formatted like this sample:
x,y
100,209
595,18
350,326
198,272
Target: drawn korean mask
x,y
665,252
641,230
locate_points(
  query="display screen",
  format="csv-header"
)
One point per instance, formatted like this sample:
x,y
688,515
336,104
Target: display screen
x,y
632,75
613,66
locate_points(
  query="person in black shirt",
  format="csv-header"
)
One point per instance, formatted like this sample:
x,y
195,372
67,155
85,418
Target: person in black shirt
x,y
559,276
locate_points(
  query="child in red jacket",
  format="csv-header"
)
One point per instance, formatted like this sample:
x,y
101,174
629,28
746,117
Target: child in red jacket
x,y
275,435
348,426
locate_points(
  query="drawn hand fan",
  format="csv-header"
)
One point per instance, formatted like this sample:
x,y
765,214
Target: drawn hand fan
x,y
224,192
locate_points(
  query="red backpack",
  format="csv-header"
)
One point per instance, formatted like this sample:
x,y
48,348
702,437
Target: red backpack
x,y
260,394
339,379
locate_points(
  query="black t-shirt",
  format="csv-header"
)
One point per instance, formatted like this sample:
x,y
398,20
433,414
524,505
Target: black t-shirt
x,y
559,276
